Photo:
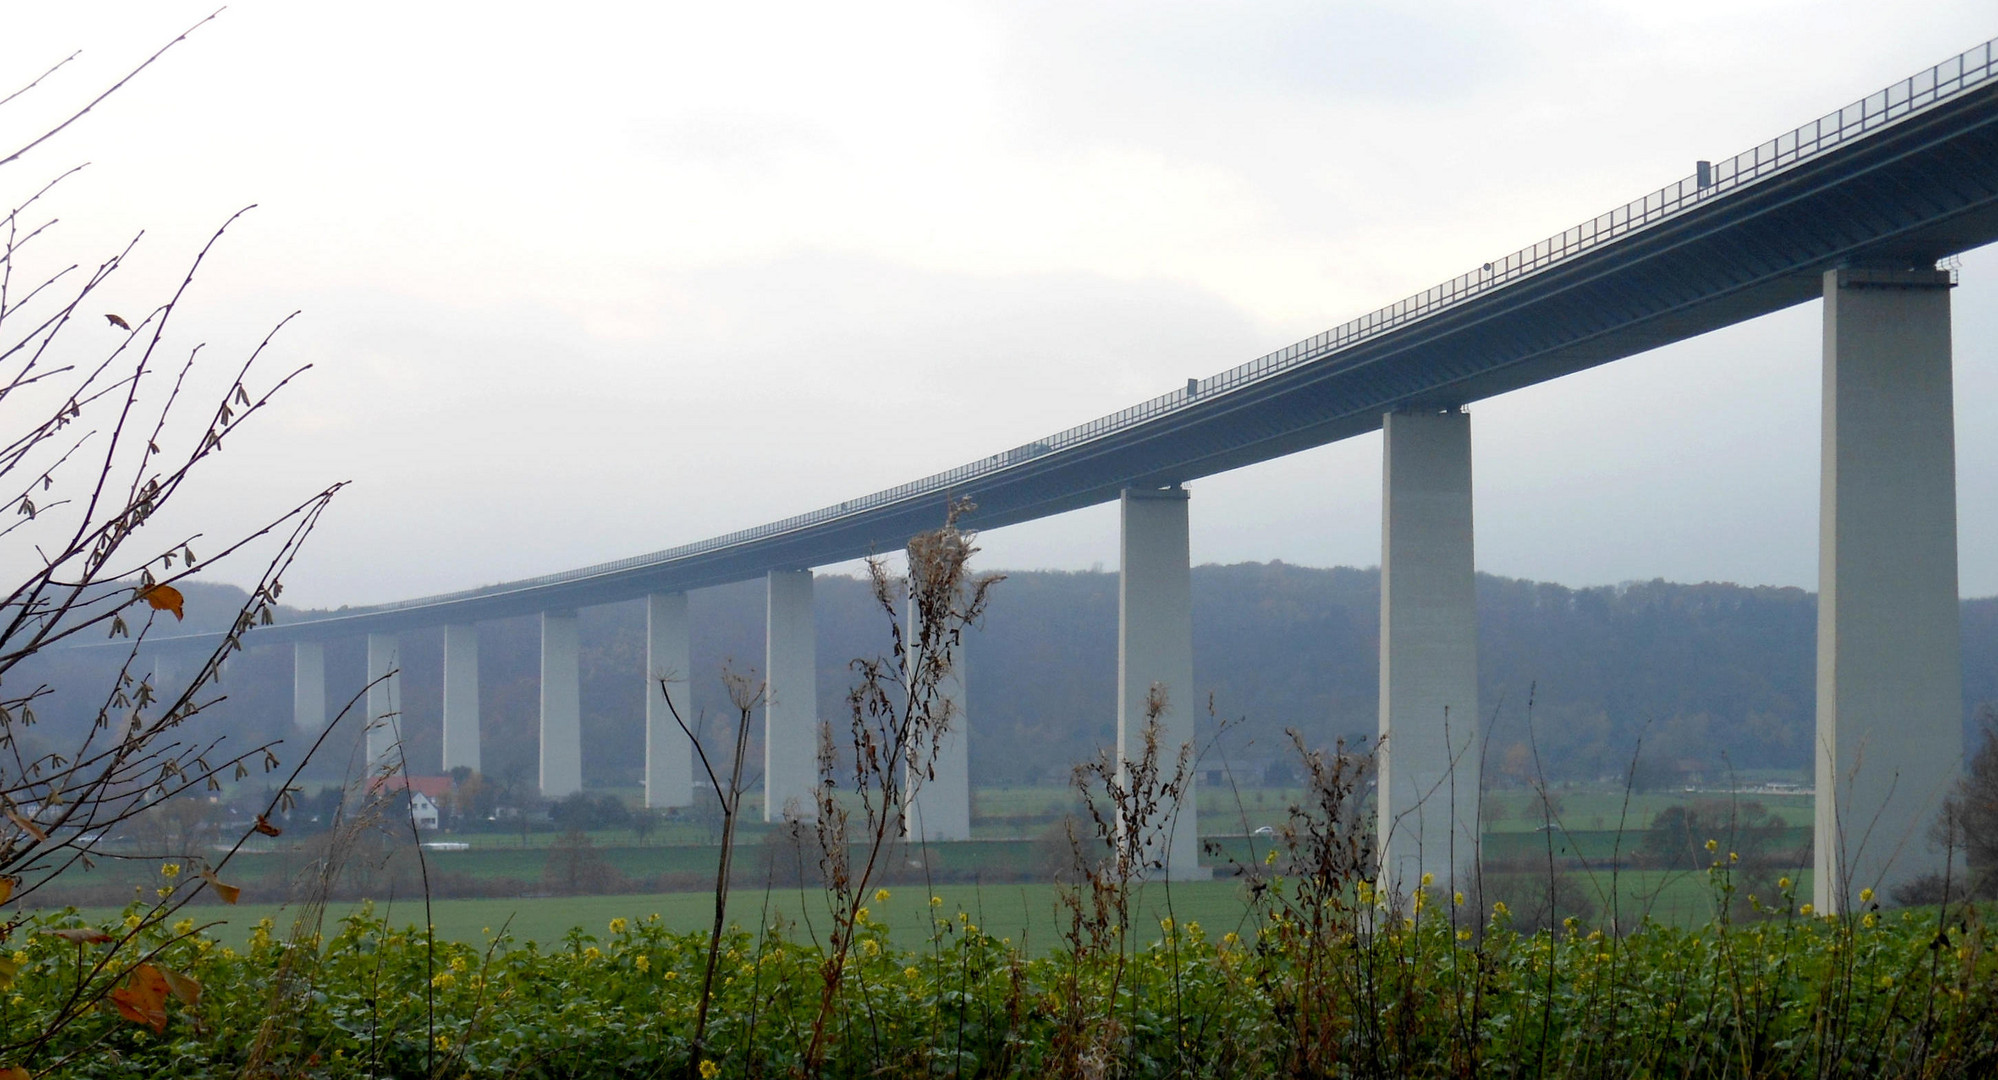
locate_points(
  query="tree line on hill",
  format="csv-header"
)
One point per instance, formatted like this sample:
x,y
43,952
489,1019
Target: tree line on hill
x,y
1707,678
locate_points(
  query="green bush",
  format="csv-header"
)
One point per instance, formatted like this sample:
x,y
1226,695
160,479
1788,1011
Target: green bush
x,y
1438,991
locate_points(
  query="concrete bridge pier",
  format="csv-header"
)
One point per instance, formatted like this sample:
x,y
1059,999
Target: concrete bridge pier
x,y
940,809
308,686
1155,648
561,706
1428,779
669,756
790,702
461,696
1890,678
384,699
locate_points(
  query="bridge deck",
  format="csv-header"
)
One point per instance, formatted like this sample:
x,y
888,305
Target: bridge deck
x,y
1902,178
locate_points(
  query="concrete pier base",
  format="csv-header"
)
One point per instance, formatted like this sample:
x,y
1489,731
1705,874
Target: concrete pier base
x,y
384,704
1890,678
669,756
308,685
461,697
561,706
1155,649
790,703
940,809
1428,780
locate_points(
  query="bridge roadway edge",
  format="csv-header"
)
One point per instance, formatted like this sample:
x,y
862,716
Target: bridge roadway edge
x,y
1248,424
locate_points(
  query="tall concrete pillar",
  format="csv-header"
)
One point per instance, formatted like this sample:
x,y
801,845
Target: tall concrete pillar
x,y
461,697
669,756
165,677
1427,796
940,809
384,699
561,706
1155,649
1890,680
790,705
308,685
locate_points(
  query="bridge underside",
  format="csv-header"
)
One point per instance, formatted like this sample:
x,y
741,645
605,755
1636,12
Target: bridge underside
x,y
1902,198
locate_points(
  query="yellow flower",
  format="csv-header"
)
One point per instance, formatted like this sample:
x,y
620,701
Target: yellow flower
x,y
1866,896
1500,911
1464,934
1713,845
591,953
618,925
1886,982
1192,927
1783,883
443,1042
170,870
1230,938
1270,859
936,901
642,962
1871,920
1806,911
860,916
1457,899
184,926
1734,856
910,972
870,947
709,1070
1428,879
881,896
443,980
670,976
162,892
131,922
458,963
1166,924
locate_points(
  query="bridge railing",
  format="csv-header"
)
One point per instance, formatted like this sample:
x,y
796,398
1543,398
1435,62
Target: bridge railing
x,y
1910,95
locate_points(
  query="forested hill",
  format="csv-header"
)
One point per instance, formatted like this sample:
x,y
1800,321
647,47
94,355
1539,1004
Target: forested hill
x,y
1709,676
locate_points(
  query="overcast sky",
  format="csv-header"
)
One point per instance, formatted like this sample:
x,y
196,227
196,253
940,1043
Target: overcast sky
x,y
588,280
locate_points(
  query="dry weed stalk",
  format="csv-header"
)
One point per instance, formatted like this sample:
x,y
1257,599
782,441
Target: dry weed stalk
x,y
1130,825
744,695
899,715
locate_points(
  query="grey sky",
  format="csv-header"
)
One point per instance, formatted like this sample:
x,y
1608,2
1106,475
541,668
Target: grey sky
x,y
591,280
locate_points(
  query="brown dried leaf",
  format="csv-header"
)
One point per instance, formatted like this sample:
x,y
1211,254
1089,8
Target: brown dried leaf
x,y
183,987
117,321
26,824
164,598
263,826
142,999
229,893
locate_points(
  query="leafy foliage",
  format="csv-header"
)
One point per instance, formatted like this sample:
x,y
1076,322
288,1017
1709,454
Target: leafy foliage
x,y
1441,991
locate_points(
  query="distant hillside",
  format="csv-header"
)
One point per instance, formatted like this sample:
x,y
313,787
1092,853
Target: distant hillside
x,y
1708,676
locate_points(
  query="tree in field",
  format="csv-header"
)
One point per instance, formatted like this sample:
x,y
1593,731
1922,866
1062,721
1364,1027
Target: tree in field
x,y
1969,821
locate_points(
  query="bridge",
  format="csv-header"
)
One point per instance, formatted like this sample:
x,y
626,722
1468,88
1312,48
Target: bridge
x,y
1856,208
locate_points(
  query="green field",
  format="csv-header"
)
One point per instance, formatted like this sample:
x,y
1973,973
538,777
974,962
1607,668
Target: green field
x,y
1027,914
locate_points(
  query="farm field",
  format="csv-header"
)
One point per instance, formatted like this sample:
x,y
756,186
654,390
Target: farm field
x,y
1026,913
